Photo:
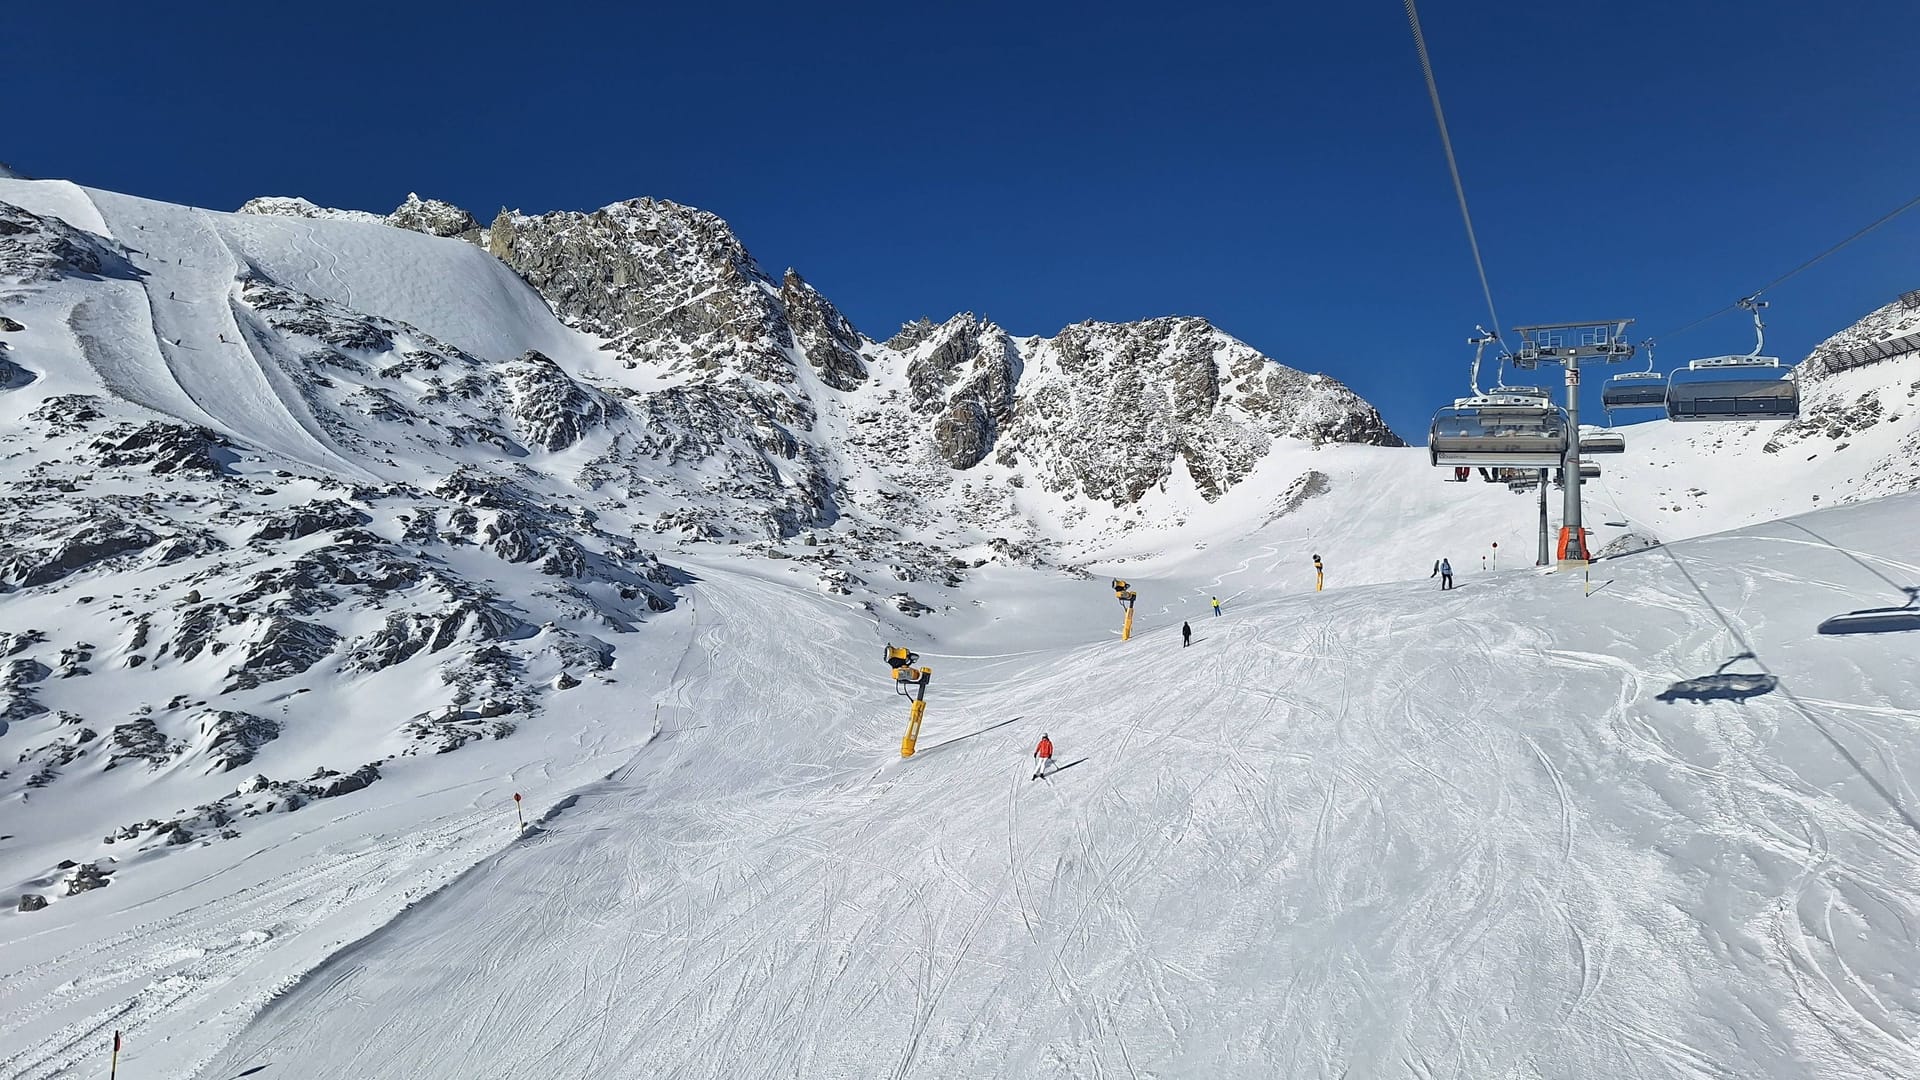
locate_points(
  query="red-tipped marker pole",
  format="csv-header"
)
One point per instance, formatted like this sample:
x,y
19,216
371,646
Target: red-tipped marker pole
x,y
114,1069
516,811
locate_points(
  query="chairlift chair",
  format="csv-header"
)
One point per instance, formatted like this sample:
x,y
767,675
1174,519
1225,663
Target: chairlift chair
x,y
1635,389
1513,426
1733,388
1750,387
1499,429
1596,441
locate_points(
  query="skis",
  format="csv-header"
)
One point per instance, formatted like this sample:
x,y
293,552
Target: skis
x,y
1050,772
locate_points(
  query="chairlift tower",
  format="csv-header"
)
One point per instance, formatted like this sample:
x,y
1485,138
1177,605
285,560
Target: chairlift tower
x,y
1567,344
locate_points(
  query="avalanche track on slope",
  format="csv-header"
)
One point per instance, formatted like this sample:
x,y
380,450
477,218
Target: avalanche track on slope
x,y
1376,832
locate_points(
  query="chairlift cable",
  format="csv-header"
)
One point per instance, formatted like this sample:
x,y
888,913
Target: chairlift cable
x,y
1882,220
1453,165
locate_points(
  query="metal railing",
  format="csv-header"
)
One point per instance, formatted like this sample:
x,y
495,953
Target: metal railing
x,y
1872,352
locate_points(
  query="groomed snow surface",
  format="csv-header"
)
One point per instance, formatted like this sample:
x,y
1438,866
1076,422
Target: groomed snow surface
x,y
1379,831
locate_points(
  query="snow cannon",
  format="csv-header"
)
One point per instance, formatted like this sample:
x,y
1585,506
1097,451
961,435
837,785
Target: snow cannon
x,y
910,680
1125,594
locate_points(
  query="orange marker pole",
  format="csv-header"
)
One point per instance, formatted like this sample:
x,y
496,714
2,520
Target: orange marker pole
x,y
114,1069
517,813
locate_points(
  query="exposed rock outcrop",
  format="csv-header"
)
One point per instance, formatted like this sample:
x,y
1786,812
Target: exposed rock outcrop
x,y
231,738
435,218
831,344
36,248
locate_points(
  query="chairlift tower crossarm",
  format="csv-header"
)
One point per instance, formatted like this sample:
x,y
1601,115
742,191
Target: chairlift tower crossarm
x,y
1567,344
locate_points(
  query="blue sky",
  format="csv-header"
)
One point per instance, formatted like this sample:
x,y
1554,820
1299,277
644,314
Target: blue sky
x,y
1273,167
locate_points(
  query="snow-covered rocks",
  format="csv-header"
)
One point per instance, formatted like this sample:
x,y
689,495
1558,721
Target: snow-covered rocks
x,y
433,217
550,408
827,339
86,877
161,448
294,206
321,515
34,248
82,541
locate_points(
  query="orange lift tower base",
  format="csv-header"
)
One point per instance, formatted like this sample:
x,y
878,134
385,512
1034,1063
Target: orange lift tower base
x,y
1125,594
1573,548
910,681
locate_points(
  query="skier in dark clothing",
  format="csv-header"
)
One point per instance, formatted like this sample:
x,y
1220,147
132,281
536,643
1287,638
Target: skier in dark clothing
x,y
1446,575
1186,635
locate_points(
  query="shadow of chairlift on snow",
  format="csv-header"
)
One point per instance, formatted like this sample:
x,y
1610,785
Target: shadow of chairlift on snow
x,y
1892,620
1722,685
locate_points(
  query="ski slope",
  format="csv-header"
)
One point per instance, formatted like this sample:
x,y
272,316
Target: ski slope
x,y
1373,832
171,339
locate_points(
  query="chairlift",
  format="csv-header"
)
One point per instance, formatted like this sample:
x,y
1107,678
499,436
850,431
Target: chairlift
x,y
1635,389
1750,387
1517,426
1588,471
1596,441
1733,388
1500,429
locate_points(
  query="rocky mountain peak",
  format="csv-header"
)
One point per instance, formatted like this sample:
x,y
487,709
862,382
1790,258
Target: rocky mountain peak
x,y
665,283
294,206
435,218
830,342
1109,410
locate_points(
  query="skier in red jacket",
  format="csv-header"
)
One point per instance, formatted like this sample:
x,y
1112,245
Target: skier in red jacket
x,y
1043,757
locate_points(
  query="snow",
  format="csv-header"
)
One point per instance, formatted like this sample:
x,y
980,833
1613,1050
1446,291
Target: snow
x,y
1372,831
1381,830
1375,831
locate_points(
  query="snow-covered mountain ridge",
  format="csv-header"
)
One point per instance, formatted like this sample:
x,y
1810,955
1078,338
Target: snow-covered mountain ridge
x,y
266,466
